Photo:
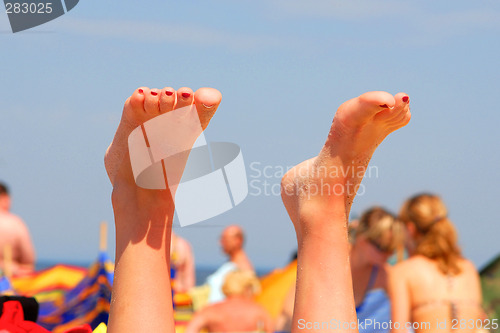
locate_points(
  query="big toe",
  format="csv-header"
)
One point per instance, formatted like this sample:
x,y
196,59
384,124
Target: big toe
x,y
360,110
376,99
207,101
399,112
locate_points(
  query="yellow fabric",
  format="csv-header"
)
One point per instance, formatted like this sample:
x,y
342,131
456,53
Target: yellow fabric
x,y
60,277
101,328
275,287
182,299
199,296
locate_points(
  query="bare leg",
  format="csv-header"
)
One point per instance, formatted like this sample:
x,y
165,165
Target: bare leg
x,y
318,194
141,300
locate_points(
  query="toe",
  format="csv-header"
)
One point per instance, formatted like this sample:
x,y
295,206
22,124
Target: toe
x,y
184,97
136,100
376,99
207,101
364,107
387,114
151,102
400,113
167,99
402,101
361,109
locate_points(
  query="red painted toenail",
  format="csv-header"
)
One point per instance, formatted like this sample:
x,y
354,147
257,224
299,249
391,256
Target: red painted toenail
x,y
406,99
383,106
141,91
169,93
186,95
154,93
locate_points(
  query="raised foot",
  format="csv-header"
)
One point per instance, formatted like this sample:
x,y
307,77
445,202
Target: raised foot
x,y
328,183
143,105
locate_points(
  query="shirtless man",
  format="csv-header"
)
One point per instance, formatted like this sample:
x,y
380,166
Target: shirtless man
x,y
142,301
231,241
15,235
182,260
238,312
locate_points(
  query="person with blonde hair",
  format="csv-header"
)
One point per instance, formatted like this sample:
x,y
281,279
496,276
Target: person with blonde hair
x,y
239,312
437,284
378,235
374,237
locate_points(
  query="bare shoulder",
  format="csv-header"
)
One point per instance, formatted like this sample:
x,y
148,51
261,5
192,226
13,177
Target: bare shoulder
x,y
179,240
409,267
12,219
402,267
183,243
418,261
210,312
468,267
217,308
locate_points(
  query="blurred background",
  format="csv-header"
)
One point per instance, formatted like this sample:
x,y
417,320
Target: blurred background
x,y
283,68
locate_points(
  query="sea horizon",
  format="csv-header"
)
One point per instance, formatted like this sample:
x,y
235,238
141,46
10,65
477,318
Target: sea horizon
x,y
202,271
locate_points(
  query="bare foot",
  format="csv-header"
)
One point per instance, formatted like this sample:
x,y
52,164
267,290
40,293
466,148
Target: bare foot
x,y
145,104
333,177
142,298
318,194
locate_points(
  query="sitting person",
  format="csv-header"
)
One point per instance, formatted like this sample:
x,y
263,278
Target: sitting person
x,y
15,241
436,284
374,237
182,261
377,236
231,241
142,300
238,312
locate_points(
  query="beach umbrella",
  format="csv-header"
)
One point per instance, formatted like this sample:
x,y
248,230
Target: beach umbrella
x,y
6,286
49,286
6,277
88,302
274,288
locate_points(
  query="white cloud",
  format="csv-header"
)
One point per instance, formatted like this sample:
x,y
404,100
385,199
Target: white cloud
x,y
431,29
423,25
185,34
473,19
342,9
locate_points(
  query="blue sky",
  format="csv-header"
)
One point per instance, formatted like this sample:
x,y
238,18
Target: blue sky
x,y
283,67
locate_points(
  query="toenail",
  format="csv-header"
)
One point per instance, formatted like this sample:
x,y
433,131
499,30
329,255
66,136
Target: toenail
x,y
207,106
154,93
141,91
383,106
185,95
169,93
406,99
